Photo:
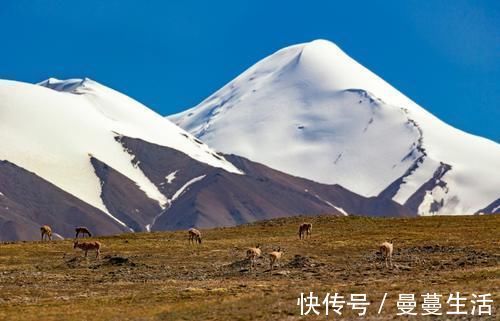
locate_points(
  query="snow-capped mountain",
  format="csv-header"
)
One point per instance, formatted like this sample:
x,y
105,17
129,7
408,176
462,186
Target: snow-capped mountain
x,y
75,152
312,111
52,129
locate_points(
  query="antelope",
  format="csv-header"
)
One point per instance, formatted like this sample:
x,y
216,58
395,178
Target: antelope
x,y
252,254
386,249
82,230
194,235
305,230
46,231
274,257
86,246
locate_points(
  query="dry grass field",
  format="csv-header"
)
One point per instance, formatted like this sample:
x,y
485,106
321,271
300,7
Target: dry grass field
x,y
159,276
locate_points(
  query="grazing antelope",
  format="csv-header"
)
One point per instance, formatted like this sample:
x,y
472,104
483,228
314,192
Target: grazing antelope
x,y
275,257
86,246
194,235
46,231
252,254
305,230
82,230
386,249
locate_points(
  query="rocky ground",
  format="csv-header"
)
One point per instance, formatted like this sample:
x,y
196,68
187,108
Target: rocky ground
x,y
159,276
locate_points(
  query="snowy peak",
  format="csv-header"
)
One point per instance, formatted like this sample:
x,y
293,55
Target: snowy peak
x,y
55,130
323,65
326,67
131,118
312,111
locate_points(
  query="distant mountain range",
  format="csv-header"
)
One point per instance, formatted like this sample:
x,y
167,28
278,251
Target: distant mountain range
x,y
75,152
305,131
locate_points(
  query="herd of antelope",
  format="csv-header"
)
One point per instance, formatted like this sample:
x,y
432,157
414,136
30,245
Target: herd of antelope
x,y
46,232
194,236
305,232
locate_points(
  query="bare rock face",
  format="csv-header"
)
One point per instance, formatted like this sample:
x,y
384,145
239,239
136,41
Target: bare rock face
x,y
493,208
27,202
219,198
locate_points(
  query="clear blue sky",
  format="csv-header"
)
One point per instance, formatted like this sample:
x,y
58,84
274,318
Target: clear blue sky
x,y
170,55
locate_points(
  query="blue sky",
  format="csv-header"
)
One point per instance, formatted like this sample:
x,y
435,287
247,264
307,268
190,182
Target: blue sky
x,y
170,55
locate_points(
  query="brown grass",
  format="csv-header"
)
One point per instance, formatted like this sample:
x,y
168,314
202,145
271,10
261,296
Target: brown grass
x,y
159,276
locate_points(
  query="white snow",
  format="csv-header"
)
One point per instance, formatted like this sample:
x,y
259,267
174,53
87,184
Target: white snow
x,y
58,236
185,186
170,177
312,111
132,119
174,197
425,207
1,194
495,209
340,209
52,130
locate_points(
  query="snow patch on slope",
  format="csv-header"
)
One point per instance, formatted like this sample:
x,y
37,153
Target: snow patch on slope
x,y
170,177
340,209
185,186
